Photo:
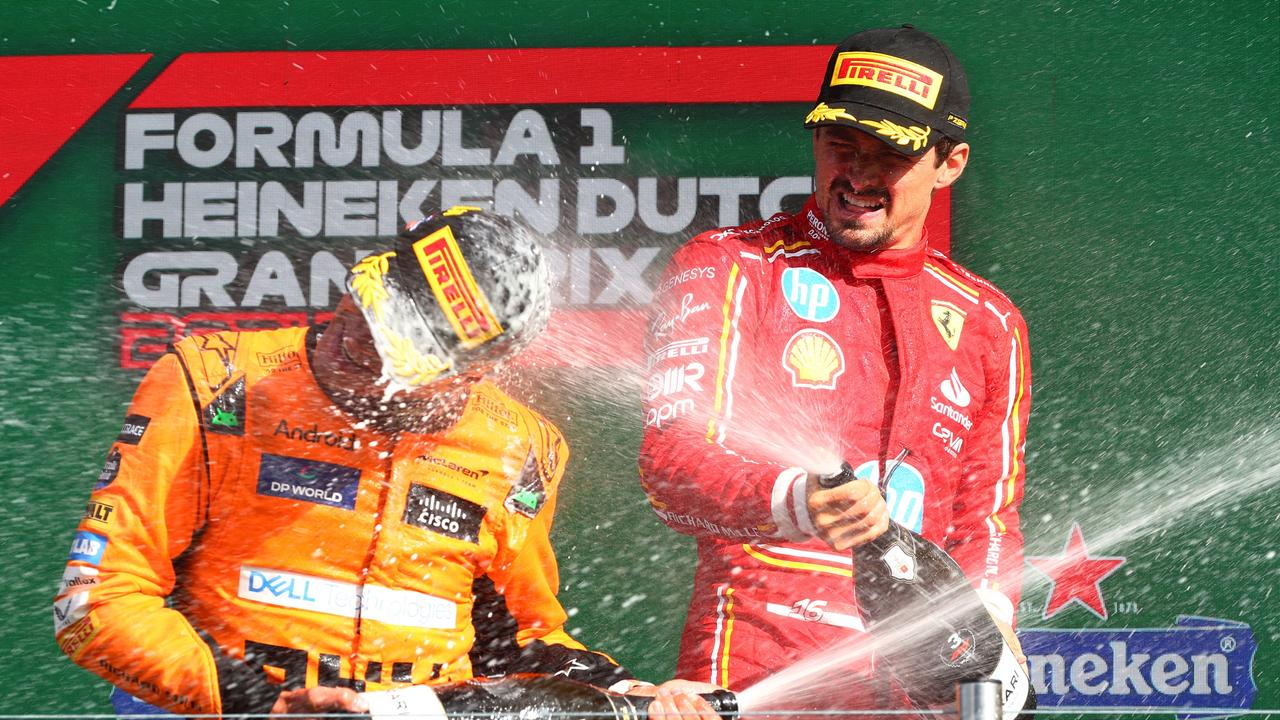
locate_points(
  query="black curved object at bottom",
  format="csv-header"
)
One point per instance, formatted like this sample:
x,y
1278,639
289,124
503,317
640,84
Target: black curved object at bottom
x,y
934,631
533,697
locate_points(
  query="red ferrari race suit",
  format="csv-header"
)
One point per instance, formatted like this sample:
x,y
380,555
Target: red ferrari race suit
x,y
246,535
772,349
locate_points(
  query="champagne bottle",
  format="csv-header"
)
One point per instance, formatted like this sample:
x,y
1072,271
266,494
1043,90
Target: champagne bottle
x,y
521,697
930,626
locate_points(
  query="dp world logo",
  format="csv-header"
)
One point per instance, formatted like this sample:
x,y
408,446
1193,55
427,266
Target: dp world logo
x,y
810,295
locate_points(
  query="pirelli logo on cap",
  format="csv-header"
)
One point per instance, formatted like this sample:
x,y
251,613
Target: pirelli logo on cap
x,y
891,74
455,288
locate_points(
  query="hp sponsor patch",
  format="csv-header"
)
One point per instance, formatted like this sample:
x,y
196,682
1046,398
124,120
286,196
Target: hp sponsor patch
x,y
1199,663
440,512
308,480
810,295
87,547
134,428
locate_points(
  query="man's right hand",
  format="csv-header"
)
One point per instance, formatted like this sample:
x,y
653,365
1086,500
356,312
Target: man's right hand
x,y
847,515
318,701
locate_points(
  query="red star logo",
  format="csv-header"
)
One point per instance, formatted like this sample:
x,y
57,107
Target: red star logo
x,y
1075,575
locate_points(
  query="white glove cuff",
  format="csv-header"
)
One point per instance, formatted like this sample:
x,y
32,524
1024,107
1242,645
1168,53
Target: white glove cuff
x,y
790,519
626,686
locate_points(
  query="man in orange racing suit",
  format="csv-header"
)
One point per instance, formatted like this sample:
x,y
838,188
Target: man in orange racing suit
x,y
779,348
277,527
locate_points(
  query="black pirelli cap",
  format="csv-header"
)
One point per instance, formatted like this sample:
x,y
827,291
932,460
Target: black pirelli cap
x,y
901,85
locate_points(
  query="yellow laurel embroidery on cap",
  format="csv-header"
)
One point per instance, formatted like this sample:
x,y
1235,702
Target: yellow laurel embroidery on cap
x,y
408,363
460,210
823,113
915,135
367,282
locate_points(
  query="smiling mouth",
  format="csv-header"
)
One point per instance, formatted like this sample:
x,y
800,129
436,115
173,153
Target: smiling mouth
x,y
860,203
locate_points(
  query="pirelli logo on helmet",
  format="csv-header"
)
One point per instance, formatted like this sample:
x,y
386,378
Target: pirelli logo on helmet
x,y
891,74
455,288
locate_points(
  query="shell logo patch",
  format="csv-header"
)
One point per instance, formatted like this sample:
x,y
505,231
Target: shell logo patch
x,y
813,359
949,320
455,288
912,81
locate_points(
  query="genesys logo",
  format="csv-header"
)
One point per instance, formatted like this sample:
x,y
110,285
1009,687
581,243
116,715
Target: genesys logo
x,y
308,480
1199,663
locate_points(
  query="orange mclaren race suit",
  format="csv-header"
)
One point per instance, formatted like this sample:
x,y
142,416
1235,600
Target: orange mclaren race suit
x,y
245,535
771,349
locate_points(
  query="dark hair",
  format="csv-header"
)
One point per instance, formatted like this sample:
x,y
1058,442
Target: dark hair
x,y
944,146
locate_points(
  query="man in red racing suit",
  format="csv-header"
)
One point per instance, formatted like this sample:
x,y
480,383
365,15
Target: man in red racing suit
x,y
779,348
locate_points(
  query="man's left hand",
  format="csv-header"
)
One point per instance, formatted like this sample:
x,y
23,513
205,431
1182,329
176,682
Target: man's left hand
x,y
679,700
315,701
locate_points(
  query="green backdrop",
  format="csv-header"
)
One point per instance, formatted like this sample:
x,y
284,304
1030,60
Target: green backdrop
x,y
1122,190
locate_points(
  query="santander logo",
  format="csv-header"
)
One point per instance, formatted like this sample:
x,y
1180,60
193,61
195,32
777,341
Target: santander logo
x,y
955,391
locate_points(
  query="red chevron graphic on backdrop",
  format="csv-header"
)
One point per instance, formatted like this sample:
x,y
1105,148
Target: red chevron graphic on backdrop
x,y
45,99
